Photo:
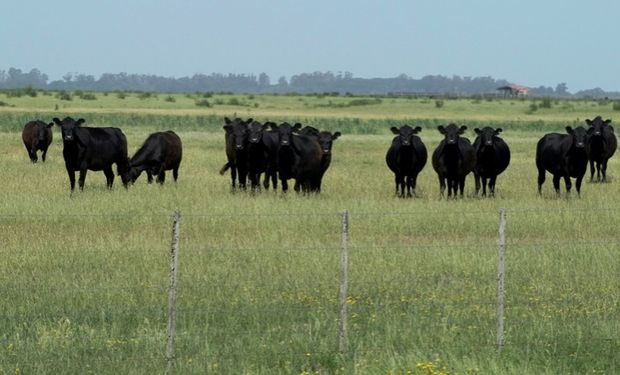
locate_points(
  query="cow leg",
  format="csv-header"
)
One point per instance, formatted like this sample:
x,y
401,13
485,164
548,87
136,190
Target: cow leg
x,y
591,170
578,185
442,185
484,186
82,179
477,180
568,183
284,183
175,173
161,177
109,176
556,183
233,175
149,176
541,180
71,179
33,155
400,185
604,170
44,154
492,185
451,187
462,186
412,183
242,178
409,183
599,167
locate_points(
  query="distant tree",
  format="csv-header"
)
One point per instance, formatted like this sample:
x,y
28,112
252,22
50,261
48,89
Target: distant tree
x,y
263,80
561,89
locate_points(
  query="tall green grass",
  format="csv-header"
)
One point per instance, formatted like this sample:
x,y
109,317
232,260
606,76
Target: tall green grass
x,y
84,278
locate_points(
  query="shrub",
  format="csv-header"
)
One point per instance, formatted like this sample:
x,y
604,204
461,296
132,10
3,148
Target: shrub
x,y
532,108
234,101
616,105
88,96
203,103
439,103
219,101
144,95
121,95
545,103
30,92
3,104
63,95
170,99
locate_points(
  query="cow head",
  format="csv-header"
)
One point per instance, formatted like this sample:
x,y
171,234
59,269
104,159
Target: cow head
x,y
326,140
285,133
597,126
405,134
451,133
256,130
310,131
42,130
487,135
238,130
579,136
68,128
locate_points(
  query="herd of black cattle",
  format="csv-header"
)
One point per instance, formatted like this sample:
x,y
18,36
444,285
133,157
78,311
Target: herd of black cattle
x,y
283,152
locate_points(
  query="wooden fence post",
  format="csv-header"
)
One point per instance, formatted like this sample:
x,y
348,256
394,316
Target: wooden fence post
x,y
172,292
344,281
501,255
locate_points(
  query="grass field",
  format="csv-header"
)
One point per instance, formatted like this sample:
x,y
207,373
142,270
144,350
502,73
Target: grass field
x,y
84,279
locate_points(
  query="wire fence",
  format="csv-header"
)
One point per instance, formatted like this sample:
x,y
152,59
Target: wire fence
x,y
341,291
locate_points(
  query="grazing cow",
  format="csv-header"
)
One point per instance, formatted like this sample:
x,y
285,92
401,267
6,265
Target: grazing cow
x,y
563,155
492,158
236,150
298,157
601,144
94,149
326,141
162,151
406,157
37,135
453,159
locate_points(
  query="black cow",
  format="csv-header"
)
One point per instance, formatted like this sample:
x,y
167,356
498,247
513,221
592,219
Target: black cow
x,y
601,144
37,135
326,141
94,149
406,157
298,157
563,155
453,159
492,158
262,154
162,151
236,138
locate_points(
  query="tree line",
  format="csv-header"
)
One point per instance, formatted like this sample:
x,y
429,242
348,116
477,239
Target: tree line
x,y
304,83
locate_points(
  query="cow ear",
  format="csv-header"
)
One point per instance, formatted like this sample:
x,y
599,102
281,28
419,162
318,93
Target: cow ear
x,y
498,130
394,129
336,135
227,120
441,129
57,121
265,126
608,121
50,125
80,122
477,131
296,127
249,121
417,130
589,122
569,130
462,129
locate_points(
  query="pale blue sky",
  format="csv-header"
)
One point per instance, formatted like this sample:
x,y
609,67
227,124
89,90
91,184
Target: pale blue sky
x,y
529,42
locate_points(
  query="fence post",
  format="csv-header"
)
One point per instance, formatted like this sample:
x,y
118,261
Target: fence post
x,y
344,281
172,292
501,255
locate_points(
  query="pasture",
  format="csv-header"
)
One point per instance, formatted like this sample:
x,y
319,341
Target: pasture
x,y
84,279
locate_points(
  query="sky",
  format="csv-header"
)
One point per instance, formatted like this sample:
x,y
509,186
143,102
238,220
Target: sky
x,y
528,42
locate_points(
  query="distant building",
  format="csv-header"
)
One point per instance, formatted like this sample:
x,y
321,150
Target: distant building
x,y
514,90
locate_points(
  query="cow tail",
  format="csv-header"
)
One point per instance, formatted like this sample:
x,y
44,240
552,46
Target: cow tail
x,y
225,167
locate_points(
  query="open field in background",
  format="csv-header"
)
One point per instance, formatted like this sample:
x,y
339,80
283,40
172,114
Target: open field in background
x,y
83,280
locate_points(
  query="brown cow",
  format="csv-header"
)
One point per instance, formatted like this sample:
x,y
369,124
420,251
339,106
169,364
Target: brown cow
x,y
37,135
